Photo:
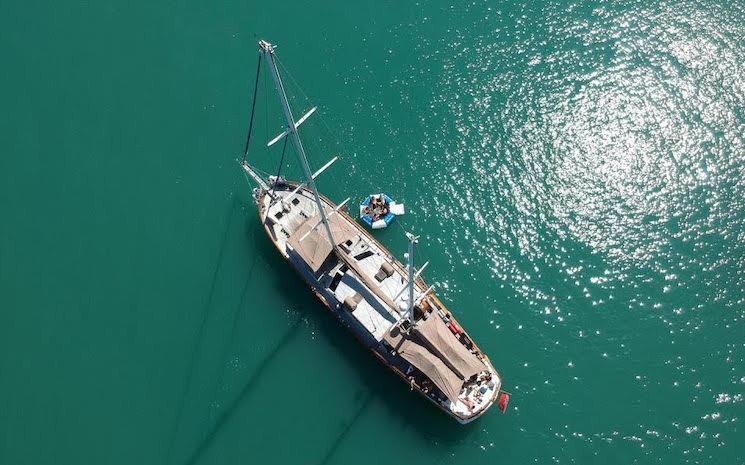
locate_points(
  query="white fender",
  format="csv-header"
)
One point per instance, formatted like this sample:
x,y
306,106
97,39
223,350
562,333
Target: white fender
x,y
397,208
380,224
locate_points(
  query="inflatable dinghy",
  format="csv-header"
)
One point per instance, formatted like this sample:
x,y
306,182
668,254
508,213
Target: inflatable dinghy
x,y
378,210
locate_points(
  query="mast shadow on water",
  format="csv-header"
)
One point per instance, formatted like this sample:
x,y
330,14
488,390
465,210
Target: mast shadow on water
x,y
229,411
231,212
408,408
405,411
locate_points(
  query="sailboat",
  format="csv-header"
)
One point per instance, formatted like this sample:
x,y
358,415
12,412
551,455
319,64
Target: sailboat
x,y
385,304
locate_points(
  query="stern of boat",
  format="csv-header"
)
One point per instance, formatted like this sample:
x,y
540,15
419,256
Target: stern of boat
x,y
489,390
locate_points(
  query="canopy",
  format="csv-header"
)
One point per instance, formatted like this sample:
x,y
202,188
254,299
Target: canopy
x,y
428,363
315,247
438,338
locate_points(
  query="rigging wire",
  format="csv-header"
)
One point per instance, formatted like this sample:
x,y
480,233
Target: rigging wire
x,y
404,225
326,127
253,108
263,173
266,112
281,160
299,97
286,72
302,96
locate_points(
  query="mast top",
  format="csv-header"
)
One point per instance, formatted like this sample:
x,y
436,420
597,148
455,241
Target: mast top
x,y
292,126
266,46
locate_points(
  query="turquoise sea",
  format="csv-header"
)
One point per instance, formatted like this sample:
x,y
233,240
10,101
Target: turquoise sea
x,y
576,171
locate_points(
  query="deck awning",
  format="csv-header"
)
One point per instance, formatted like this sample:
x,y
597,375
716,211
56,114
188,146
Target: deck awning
x,y
440,340
315,247
428,363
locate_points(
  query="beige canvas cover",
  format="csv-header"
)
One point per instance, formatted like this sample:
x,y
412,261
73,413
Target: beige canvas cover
x,y
443,342
315,247
428,363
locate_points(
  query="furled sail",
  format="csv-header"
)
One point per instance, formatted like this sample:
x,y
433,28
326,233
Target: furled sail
x,y
428,363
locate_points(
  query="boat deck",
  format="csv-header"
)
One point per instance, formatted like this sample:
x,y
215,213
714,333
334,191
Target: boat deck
x,y
369,282
371,311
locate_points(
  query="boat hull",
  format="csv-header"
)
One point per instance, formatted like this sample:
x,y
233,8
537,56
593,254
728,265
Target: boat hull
x,y
335,307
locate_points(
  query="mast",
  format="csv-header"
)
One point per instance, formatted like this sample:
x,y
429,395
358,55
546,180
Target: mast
x,y
268,50
292,125
410,267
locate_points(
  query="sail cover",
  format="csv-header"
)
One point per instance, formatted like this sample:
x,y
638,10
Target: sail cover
x,y
428,363
442,342
315,247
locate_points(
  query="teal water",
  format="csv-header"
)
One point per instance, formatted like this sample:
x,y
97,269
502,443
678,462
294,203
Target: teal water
x,y
575,169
